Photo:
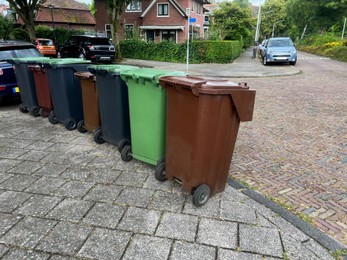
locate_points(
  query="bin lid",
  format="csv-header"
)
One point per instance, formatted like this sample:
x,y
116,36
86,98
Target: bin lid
x,y
66,61
84,75
110,69
242,97
28,60
150,74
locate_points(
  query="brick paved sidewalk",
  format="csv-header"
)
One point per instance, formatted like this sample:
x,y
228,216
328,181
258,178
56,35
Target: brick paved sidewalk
x,y
64,197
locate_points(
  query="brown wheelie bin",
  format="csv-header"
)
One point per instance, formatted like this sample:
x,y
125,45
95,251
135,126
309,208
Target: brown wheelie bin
x,y
202,122
90,100
43,94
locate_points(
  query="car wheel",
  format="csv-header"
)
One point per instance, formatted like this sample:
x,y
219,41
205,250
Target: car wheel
x,y
264,61
82,55
292,63
59,55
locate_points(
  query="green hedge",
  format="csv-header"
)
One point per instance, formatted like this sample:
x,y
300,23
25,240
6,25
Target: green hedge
x,y
62,34
200,51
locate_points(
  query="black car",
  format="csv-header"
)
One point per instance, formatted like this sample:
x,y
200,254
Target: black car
x,y
12,49
87,47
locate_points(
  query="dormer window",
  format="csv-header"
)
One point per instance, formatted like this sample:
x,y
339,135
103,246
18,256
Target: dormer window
x,y
163,9
134,6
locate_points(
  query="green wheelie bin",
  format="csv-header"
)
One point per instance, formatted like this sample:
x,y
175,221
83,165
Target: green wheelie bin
x,y
65,90
113,105
147,105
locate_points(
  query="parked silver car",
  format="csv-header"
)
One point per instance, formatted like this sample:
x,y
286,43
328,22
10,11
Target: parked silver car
x,y
280,49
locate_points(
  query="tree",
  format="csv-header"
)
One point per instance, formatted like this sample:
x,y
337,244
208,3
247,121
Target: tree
x,y
114,10
233,22
5,27
242,3
27,11
273,14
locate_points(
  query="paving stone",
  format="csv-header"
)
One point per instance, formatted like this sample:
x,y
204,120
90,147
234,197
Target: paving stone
x,y
126,166
3,250
178,226
7,222
18,182
140,220
217,233
7,164
65,238
264,222
32,155
265,236
11,153
317,249
105,244
210,209
135,197
184,250
152,183
25,254
101,162
129,178
167,201
39,145
59,257
74,189
51,170
104,176
10,200
46,185
5,176
147,247
28,232
70,209
102,192
38,205
104,215
26,167
55,157
225,254
76,174
237,212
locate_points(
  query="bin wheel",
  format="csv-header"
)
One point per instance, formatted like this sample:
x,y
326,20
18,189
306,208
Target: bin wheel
x,y
160,172
82,55
43,113
98,136
80,127
123,143
70,124
126,153
52,118
23,109
201,195
34,111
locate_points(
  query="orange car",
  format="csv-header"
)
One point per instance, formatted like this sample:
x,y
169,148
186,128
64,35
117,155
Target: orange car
x,y
45,46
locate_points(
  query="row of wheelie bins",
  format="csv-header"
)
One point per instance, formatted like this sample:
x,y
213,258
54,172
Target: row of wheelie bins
x,y
185,126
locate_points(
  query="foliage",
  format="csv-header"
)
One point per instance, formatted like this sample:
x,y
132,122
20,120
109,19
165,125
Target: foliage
x,y
273,18
232,21
62,34
200,51
5,28
338,254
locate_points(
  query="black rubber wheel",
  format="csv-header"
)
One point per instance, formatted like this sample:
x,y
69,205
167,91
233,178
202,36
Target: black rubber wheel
x,y
126,153
34,111
80,127
123,143
43,112
23,109
292,63
160,172
201,195
98,136
70,124
265,62
52,119
59,55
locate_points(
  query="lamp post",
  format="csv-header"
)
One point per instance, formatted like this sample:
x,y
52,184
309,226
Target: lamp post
x,y
273,28
51,7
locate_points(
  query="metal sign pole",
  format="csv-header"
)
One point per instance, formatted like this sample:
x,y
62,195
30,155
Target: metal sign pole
x,y
188,13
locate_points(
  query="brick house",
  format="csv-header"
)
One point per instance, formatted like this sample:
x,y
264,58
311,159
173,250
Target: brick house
x,y
156,20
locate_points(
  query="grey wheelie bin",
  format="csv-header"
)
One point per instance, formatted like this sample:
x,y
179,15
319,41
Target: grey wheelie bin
x,y
26,83
147,104
113,105
65,90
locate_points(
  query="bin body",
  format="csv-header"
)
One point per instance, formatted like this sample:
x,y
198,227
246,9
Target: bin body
x,y
203,119
90,101
147,104
114,102
43,93
25,80
65,89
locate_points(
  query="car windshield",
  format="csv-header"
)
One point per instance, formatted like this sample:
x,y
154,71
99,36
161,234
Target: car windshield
x,y
46,42
98,41
280,43
19,53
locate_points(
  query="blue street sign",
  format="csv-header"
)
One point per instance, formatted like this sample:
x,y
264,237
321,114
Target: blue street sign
x,y
192,20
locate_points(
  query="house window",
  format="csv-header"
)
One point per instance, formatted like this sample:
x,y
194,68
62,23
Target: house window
x,y
198,8
163,9
129,31
108,31
168,35
134,6
192,6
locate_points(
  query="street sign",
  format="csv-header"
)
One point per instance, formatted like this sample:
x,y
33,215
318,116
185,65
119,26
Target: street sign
x,y
192,20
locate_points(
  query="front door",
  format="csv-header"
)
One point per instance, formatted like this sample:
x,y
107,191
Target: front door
x,y
150,35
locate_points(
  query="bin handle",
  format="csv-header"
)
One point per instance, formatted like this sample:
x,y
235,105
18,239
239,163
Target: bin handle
x,y
102,72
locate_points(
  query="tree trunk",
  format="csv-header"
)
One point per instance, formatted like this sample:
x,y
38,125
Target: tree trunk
x,y
31,31
115,39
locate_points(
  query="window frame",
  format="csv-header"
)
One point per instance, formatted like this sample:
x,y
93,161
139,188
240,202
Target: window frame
x,y
139,2
162,4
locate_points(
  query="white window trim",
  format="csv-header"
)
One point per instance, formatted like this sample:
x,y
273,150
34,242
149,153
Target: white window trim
x,y
161,34
192,9
168,9
134,11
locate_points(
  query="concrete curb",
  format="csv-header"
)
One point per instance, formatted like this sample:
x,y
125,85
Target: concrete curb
x,y
325,240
